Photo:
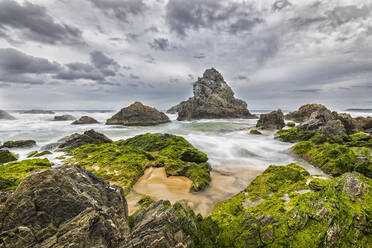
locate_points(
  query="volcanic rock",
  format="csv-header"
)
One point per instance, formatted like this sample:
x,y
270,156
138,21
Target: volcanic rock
x,y
85,120
38,111
138,114
64,118
272,120
213,99
6,116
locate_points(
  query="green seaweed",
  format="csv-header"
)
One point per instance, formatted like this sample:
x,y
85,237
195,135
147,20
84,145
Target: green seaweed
x,y
6,156
35,154
254,131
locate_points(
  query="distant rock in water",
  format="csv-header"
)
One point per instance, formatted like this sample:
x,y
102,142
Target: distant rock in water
x,y
6,116
138,114
64,118
19,144
38,111
272,120
85,120
213,99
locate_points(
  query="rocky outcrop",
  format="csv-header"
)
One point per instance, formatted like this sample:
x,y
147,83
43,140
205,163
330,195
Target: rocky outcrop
x,y
175,109
272,120
363,124
6,156
19,144
64,118
38,111
138,114
304,112
6,116
85,120
85,211
213,99
88,137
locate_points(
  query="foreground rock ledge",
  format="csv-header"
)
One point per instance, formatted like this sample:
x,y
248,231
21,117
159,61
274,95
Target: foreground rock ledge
x,y
138,114
213,99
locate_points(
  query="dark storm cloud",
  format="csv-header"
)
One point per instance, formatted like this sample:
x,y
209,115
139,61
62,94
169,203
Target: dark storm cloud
x,y
161,44
343,14
120,9
100,60
34,23
75,71
184,15
14,61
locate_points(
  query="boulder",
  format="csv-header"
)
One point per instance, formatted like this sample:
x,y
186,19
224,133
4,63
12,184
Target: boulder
x,y
213,99
85,211
272,120
88,137
38,111
304,112
64,118
85,120
19,144
138,114
363,124
6,156
6,116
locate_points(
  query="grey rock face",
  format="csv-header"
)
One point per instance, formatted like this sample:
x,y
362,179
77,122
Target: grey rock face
x,y
363,124
272,120
213,99
88,137
6,116
138,114
85,120
304,112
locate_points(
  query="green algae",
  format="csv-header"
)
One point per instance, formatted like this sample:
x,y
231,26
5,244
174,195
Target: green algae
x,y
290,124
293,135
35,154
254,131
6,156
12,174
124,161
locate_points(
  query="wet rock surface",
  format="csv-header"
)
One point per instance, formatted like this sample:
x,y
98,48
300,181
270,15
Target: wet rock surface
x,y
64,118
138,114
19,144
272,120
6,156
85,120
76,140
213,99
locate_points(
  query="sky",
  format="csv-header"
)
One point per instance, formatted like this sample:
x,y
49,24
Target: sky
x,y
106,54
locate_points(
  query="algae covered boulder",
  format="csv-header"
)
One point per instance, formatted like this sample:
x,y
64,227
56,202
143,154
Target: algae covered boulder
x,y
76,140
6,156
138,114
124,161
272,120
19,144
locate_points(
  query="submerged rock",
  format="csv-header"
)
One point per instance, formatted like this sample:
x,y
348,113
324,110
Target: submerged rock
x,y
76,140
6,116
138,114
6,156
272,120
64,118
38,111
213,99
85,120
19,144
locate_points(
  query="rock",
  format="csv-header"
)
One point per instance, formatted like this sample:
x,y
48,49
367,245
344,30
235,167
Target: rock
x,y
83,211
363,124
138,114
64,118
38,111
213,99
175,109
272,120
6,116
6,156
255,132
88,137
85,120
19,144
304,112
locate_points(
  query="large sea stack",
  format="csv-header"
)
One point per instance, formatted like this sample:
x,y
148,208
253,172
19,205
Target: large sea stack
x,y
138,114
213,99
6,116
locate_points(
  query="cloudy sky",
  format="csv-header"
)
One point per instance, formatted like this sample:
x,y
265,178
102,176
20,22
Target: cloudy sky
x,y
105,54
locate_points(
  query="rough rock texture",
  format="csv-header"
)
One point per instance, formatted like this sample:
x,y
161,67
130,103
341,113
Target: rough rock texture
x,y
71,207
363,124
19,144
85,120
138,114
213,98
175,109
88,137
6,156
272,120
64,118
304,112
6,116
38,111
64,207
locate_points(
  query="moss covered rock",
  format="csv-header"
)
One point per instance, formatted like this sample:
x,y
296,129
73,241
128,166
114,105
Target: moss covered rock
x,y
19,144
124,161
12,174
290,124
6,156
254,131
38,154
